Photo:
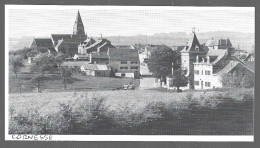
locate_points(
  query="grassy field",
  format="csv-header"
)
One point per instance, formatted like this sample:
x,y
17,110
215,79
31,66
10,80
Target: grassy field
x,y
140,112
78,83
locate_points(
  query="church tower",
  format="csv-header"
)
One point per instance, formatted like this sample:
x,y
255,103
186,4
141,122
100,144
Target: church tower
x,y
78,28
188,57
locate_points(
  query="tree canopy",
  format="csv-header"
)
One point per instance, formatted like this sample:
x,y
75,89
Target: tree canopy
x,y
44,62
179,79
16,63
160,61
236,79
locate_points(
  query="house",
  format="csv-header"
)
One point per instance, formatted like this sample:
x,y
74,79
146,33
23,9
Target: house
x,y
96,70
188,56
97,58
64,43
208,71
214,44
40,45
92,46
124,62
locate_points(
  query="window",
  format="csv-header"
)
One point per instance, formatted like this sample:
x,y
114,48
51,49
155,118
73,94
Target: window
x,y
201,72
196,48
196,83
123,67
133,62
124,62
122,75
134,67
207,84
207,72
196,72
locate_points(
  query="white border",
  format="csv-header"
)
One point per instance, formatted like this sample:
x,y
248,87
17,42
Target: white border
x,y
249,138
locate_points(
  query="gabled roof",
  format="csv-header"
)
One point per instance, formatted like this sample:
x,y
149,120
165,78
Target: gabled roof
x,y
123,54
228,67
88,41
250,65
194,42
217,53
231,65
68,38
60,42
99,44
221,43
95,67
43,42
99,56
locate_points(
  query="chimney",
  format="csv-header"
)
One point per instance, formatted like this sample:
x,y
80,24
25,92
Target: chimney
x,y
90,57
208,59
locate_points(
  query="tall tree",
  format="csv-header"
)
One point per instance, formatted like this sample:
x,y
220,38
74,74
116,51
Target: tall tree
x,y
44,62
160,62
16,63
66,75
179,79
59,58
37,81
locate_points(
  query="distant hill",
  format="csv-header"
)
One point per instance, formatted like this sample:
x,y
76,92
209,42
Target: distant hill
x,y
244,40
19,43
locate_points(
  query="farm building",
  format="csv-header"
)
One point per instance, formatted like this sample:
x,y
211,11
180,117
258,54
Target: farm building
x,y
96,58
124,62
96,70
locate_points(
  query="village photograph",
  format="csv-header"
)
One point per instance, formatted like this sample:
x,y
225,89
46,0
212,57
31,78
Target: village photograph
x,y
119,70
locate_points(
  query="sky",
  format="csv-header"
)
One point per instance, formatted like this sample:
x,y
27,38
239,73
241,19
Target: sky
x,y
42,21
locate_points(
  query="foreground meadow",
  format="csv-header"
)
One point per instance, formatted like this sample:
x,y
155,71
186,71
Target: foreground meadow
x,y
144,112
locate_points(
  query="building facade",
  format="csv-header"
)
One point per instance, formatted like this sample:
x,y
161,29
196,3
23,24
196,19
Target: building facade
x,y
124,62
188,57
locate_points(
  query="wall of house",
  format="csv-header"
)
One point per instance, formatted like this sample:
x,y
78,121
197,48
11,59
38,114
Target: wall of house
x,y
99,61
201,78
115,67
81,50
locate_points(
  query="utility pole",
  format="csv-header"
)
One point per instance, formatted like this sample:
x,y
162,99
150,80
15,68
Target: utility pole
x,y
172,72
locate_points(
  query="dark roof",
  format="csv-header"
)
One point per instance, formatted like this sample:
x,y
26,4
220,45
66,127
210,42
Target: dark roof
x,y
88,42
68,38
43,42
217,53
192,44
99,56
52,50
228,67
123,54
178,48
250,65
102,44
231,65
61,42
221,43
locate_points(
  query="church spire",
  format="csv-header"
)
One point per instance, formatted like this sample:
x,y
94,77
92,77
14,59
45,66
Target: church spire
x,y
78,28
